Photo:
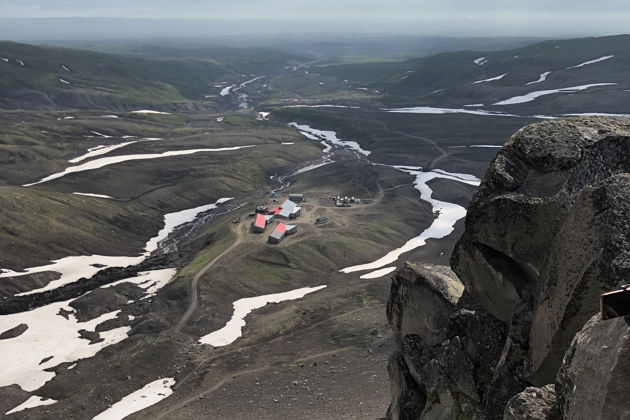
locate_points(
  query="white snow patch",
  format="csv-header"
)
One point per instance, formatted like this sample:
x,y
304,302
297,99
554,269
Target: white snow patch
x,y
6,60
96,133
379,273
227,90
68,118
480,61
107,161
442,226
63,66
242,85
93,195
48,334
322,106
75,267
542,78
597,60
492,79
64,81
433,110
64,345
474,105
100,150
242,308
534,95
242,97
153,281
146,396
110,116
20,62
263,116
312,167
150,111
32,402
329,137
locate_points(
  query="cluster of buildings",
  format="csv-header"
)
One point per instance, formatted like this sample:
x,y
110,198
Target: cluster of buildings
x,y
345,201
288,210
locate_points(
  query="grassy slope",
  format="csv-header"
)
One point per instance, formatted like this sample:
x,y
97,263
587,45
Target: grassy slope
x,y
311,259
145,189
116,81
455,73
414,82
37,225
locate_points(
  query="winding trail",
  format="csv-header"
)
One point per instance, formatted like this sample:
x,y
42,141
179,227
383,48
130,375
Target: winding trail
x,y
193,304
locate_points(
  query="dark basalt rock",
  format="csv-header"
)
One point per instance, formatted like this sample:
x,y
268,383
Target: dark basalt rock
x,y
546,234
594,380
533,404
445,352
14,332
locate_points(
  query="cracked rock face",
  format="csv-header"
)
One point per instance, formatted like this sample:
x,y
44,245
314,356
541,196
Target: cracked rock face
x,y
546,234
594,380
445,351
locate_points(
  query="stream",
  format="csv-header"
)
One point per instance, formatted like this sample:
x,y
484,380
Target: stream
x,y
448,214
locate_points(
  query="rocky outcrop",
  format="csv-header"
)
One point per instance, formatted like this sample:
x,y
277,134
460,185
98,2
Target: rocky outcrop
x,y
594,380
547,233
445,351
533,404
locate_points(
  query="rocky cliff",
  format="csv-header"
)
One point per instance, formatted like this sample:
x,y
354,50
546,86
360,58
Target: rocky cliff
x,y
512,332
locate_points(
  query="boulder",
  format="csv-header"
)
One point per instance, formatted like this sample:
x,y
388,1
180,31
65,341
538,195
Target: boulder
x,y
421,301
594,380
533,404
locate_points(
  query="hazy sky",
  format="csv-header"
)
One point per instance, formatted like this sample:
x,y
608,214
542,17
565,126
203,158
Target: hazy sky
x,y
472,17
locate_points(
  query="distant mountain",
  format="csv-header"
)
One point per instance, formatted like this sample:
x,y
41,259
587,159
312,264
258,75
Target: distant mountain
x,y
594,71
336,48
35,77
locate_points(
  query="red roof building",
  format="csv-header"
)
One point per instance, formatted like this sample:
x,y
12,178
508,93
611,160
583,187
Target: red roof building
x,y
260,223
278,233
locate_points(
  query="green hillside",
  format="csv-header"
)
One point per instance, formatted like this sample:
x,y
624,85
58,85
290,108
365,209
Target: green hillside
x,y
448,79
50,77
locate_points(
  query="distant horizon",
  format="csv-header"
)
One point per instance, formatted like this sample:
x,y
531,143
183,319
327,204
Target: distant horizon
x,y
28,29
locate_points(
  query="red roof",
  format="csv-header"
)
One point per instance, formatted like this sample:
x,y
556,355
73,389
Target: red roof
x,y
281,227
275,210
260,221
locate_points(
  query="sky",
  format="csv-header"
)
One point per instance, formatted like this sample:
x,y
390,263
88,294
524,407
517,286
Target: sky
x,y
425,17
